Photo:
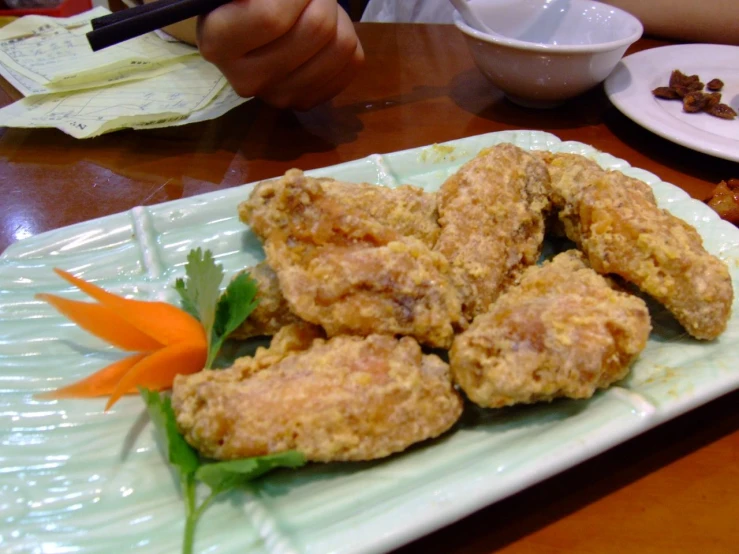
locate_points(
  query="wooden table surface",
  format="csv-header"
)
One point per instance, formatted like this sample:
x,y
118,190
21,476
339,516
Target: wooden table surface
x,y
674,489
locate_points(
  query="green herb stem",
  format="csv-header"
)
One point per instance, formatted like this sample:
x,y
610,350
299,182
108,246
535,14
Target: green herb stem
x,y
212,353
191,513
206,504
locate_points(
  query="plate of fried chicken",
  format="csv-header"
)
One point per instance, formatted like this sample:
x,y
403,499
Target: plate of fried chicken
x,y
446,326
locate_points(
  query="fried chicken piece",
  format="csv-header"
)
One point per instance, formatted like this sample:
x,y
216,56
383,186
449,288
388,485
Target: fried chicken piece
x,y
289,339
492,222
569,173
615,220
272,313
341,268
408,210
399,288
562,331
343,399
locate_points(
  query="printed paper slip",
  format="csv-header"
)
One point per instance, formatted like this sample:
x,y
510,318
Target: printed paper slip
x,y
26,25
29,87
225,101
58,55
89,113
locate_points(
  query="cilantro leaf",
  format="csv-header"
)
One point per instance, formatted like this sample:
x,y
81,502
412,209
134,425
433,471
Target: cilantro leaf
x,y
201,289
187,304
234,306
200,294
179,453
221,476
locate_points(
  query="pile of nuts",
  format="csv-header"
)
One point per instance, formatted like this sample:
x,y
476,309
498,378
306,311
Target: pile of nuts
x,y
689,89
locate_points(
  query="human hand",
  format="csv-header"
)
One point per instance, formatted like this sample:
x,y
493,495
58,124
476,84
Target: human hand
x,y
289,53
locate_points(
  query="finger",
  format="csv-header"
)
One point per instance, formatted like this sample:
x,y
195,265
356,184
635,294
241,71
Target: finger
x,y
331,88
324,75
270,64
314,92
241,26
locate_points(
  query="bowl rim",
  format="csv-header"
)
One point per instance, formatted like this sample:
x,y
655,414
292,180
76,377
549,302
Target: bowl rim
x,y
502,40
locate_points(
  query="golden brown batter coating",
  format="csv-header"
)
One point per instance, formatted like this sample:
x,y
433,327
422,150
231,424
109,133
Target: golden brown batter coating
x,y
562,331
343,399
340,268
408,210
272,312
291,338
615,220
492,222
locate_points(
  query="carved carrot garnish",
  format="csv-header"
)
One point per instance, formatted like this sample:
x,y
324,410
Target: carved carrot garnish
x,y
165,323
103,322
167,340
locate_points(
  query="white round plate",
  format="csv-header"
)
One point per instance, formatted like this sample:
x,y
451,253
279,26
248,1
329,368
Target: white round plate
x,y
630,87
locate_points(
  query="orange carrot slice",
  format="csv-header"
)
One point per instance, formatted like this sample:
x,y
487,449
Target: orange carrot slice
x,y
103,322
163,322
100,383
158,370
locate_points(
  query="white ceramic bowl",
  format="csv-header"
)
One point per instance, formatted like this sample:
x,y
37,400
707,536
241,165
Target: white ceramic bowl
x,y
547,51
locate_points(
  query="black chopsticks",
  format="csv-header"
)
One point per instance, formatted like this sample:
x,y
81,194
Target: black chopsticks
x,y
126,24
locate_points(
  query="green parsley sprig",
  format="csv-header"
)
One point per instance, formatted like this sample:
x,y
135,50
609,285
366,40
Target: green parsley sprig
x,y
218,476
220,314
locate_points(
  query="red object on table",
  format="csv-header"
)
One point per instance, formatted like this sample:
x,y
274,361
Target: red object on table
x,y
65,9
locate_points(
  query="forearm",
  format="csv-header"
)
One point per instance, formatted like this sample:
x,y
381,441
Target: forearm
x,y
714,21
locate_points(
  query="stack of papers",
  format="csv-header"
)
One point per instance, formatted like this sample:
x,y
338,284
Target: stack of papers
x,y
142,83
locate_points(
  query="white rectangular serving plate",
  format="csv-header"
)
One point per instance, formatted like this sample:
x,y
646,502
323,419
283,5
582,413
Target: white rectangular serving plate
x,y
75,479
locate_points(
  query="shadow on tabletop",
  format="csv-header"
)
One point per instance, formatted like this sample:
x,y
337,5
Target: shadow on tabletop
x,y
541,505
203,151
665,152
472,92
420,93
